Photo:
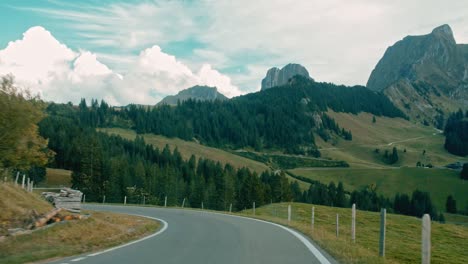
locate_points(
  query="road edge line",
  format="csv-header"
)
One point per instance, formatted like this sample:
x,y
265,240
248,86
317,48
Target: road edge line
x,y
165,226
302,238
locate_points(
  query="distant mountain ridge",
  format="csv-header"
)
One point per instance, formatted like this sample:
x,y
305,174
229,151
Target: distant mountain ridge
x,y
426,76
201,93
278,77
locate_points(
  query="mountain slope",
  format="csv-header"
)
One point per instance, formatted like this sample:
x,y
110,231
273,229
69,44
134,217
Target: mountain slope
x,y
282,117
199,93
425,76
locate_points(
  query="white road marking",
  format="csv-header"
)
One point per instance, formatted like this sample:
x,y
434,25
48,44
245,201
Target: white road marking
x,y
165,226
78,259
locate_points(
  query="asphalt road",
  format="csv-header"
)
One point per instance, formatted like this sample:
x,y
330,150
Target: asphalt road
x,y
198,237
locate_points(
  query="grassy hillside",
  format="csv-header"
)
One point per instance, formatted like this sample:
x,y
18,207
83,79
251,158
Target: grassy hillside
x,y
64,239
438,182
16,207
56,178
187,148
385,134
403,242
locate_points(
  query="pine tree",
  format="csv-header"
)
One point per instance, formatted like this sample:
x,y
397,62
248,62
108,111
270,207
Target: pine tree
x,y
451,205
464,172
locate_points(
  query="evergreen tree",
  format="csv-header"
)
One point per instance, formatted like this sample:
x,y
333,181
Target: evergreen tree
x,y
464,172
340,196
451,205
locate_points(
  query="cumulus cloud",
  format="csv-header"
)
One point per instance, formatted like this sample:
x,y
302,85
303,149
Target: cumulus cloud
x,y
37,58
44,65
337,40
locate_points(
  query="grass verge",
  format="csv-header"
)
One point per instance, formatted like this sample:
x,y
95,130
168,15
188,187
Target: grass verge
x,y
403,242
103,230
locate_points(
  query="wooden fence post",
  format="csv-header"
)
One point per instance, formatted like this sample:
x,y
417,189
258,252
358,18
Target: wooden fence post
x,y
312,222
104,199
22,182
165,201
230,208
289,214
125,200
337,225
202,207
183,203
353,223
253,208
16,179
144,200
426,240
383,214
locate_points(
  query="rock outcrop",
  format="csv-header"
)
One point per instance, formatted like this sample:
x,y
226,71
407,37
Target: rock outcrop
x,y
201,93
425,76
276,77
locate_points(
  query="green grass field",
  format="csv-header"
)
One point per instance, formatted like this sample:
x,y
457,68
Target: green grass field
x,y
187,148
385,134
56,178
403,242
438,182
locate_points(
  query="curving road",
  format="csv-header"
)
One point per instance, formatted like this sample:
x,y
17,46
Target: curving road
x,y
198,237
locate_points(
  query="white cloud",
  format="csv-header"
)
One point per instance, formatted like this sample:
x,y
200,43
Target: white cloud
x,y
45,66
37,58
211,77
337,40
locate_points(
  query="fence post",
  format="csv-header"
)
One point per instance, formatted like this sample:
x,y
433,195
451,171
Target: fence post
x,y
353,223
104,199
84,198
16,179
125,200
312,222
253,208
230,208
165,201
426,239
289,214
22,182
144,200
202,206
183,203
337,225
28,182
383,214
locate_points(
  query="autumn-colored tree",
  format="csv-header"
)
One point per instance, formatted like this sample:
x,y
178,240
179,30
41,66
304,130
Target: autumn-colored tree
x,y
21,146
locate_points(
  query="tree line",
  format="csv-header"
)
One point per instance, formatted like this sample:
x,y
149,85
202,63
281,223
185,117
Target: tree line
x,y
367,198
279,118
106,165
456,133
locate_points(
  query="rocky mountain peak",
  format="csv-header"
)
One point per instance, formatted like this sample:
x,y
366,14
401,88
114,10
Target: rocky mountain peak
x,y
201,93
444,31
278,77
421,74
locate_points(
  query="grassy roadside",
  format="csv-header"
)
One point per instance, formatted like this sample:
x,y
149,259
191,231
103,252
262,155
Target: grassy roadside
x,y
103,230
403,243
99,231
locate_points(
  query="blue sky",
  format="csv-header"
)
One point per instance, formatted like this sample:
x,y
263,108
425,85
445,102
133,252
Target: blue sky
x,y
143,50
